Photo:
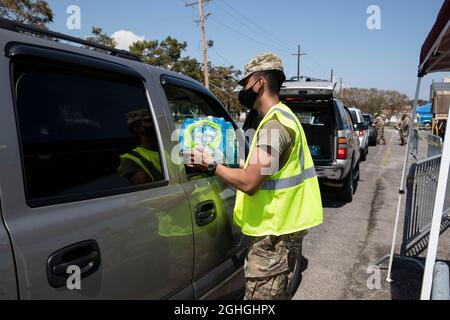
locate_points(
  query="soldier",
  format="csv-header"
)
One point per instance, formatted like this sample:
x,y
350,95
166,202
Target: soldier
x,y
142,164
404,129
278,196
379,124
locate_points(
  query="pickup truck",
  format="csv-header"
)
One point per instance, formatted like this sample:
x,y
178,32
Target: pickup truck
x,y
71,225
331,135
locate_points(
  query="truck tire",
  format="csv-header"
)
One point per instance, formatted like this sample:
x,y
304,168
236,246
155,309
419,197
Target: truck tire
x,y
346,193
364,154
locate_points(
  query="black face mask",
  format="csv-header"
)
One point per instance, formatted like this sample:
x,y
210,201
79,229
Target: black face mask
x,y
247,98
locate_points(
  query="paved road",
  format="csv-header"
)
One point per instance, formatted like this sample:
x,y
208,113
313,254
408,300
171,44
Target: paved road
x,y
353,236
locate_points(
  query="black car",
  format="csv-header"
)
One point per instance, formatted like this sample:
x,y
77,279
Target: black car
x,y
368,118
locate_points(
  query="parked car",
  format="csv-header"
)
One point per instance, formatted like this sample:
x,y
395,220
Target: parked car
x,y
63,133
330,133
373,134
363,131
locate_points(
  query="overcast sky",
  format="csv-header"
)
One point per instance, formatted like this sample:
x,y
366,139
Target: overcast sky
x,y
333,34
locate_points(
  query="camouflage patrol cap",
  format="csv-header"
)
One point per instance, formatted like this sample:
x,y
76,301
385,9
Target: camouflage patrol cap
x,y
262,62
138,115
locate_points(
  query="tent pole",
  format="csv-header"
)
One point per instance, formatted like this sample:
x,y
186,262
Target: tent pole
x,y
402,184
437,219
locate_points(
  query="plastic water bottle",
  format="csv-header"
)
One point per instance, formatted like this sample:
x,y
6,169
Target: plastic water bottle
x,y
209,136
191,129
230,145
197,133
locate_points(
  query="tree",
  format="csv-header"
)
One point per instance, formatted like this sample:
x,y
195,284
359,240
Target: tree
x,y
373,100
167,54
223,84
27,11
99,37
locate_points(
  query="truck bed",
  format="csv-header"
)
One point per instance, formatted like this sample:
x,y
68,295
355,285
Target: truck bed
x,y
320,128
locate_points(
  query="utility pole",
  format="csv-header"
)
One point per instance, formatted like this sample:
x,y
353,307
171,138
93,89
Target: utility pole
x,y
202,20
332,75
299,55
340,85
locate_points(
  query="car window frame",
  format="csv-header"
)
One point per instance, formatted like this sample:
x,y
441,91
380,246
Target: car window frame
x,y
200,91
92,195
341,116
350,119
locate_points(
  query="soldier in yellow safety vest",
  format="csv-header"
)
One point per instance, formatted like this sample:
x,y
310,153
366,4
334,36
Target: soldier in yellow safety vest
x,y
278,196
142,164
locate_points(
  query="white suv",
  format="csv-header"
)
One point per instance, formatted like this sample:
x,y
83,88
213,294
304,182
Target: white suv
x,y
362,130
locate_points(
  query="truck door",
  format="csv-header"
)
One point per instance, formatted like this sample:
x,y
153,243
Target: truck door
x,y
78,204
8,284
218,243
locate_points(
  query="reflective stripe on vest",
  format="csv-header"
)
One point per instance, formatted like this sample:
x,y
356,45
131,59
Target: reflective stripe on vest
x,y
289,201
148,166
290,182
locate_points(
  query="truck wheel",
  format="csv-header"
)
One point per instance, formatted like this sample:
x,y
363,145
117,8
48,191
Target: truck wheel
x,y
346,193
364,154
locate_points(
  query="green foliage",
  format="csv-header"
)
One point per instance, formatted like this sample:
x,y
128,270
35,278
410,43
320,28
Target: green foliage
x,y
222,84
27,11
373,100
167,54
99,37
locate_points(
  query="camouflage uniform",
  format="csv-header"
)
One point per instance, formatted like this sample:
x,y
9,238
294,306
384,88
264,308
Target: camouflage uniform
x,y
262,62
404,129
379,124
138,115
270,264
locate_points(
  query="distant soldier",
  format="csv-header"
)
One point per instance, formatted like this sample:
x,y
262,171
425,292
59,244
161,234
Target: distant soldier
x,y
379,125
404,129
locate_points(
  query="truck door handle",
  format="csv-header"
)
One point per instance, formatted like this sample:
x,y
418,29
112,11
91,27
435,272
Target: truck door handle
x,y
205,213
85,255
85,263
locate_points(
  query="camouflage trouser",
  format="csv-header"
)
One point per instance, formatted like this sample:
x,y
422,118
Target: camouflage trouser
x,y
380,135
404,132
270,264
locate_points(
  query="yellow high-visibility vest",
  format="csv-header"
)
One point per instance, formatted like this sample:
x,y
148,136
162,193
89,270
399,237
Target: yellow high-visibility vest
x,y
290,200
148,160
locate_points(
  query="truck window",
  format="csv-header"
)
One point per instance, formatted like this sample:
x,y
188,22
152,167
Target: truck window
x,y
186,103
83,134
349,119
343,117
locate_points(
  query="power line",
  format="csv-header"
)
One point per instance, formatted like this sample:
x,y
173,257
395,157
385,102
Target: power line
x,y
321,67
274,37
255,30
262,43
221,57
245,35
